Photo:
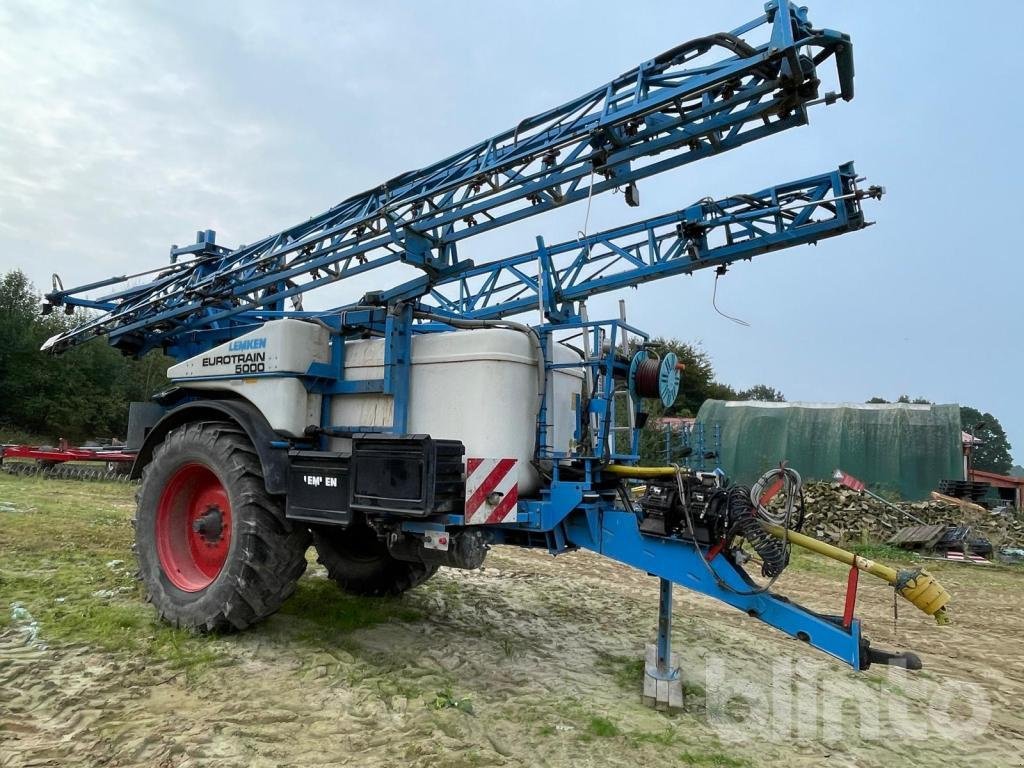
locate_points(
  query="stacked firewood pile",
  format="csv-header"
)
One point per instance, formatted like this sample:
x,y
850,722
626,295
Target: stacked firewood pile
x,y
841,516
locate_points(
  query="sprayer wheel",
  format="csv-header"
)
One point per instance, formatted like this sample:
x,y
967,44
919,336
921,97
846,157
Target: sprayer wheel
x,y
214,549
358,562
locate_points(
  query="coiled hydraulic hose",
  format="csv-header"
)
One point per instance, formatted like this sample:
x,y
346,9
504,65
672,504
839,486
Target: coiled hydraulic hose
x,y
774,552
781,479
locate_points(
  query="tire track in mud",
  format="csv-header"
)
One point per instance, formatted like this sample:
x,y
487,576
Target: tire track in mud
x,y
527,641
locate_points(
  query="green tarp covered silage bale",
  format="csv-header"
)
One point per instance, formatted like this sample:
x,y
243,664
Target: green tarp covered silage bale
x,y
900,447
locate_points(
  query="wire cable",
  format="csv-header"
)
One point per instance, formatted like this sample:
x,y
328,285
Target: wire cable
x,y
582,234
714,304
703,557
792,489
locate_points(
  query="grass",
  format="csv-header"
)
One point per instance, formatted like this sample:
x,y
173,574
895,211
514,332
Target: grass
x,y
330,611
665,738
808,562
883,553
67,560
627,671
446,699
59,553
602,727
591,728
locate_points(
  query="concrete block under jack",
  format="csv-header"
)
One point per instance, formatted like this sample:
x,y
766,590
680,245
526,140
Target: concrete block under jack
x,y
663,695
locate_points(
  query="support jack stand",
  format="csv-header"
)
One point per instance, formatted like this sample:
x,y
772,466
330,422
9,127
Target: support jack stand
x,y
663,684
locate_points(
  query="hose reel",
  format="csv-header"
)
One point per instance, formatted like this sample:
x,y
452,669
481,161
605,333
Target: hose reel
x,y
650,376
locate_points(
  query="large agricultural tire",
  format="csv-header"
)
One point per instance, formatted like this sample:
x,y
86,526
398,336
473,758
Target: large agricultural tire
x,y
358,562
215,551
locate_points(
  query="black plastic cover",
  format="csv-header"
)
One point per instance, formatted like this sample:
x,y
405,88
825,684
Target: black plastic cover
x,y
412,475
319,488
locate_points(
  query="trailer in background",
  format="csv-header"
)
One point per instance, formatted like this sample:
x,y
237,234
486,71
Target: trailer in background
x,y
117,460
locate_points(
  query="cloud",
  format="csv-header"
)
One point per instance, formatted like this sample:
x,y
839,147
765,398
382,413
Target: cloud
x,y
128,127
112,140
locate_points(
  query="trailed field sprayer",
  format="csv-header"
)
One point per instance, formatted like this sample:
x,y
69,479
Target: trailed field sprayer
x,y
418,425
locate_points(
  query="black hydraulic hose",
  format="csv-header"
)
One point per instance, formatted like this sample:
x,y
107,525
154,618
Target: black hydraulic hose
x,y
703,557
744,522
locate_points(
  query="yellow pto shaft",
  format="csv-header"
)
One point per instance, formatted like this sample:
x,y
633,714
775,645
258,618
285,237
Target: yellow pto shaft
x,y
919,587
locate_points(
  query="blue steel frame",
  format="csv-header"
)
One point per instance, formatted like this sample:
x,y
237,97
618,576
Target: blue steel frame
x,y
691,441
580,512
679,107
710,233
558,278
554,278
601,338
676,108
616,534
574,514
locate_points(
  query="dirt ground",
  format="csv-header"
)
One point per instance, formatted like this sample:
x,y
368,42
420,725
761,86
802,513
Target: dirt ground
x,y
531,661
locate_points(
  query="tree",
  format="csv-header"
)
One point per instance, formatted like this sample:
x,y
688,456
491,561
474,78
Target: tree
x,y
993,452
698,384
900,399
22,331
81,394
762,393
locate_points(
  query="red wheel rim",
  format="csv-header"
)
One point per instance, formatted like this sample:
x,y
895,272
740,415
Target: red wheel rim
x,y
193,527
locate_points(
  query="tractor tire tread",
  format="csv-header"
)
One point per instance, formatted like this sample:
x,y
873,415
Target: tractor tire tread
x,y
267,558
375,574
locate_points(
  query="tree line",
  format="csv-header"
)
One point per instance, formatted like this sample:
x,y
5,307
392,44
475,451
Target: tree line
x,y
79,395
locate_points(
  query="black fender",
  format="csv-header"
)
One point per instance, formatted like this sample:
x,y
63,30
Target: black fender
x,y
274,461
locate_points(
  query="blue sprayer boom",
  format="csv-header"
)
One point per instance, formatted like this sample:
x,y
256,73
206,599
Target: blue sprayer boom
x,y
419,424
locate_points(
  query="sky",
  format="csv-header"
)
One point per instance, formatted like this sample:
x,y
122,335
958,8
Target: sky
x,y
127,126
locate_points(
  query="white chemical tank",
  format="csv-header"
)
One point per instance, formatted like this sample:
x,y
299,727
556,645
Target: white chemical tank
x,y
479,386
264,367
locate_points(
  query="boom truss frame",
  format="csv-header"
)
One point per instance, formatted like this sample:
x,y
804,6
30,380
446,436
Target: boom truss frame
x,y
676,108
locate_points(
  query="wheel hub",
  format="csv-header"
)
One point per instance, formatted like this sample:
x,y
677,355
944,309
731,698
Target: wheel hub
x,y
210,526
193,527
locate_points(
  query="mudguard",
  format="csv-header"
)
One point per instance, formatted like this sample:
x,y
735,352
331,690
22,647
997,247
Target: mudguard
x,y
273,459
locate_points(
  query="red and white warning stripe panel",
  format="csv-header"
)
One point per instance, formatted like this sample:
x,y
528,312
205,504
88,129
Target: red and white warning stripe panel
x,y
492,491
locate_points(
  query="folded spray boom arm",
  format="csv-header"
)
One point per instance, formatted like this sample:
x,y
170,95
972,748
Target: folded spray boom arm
x,y
709,233
701,98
